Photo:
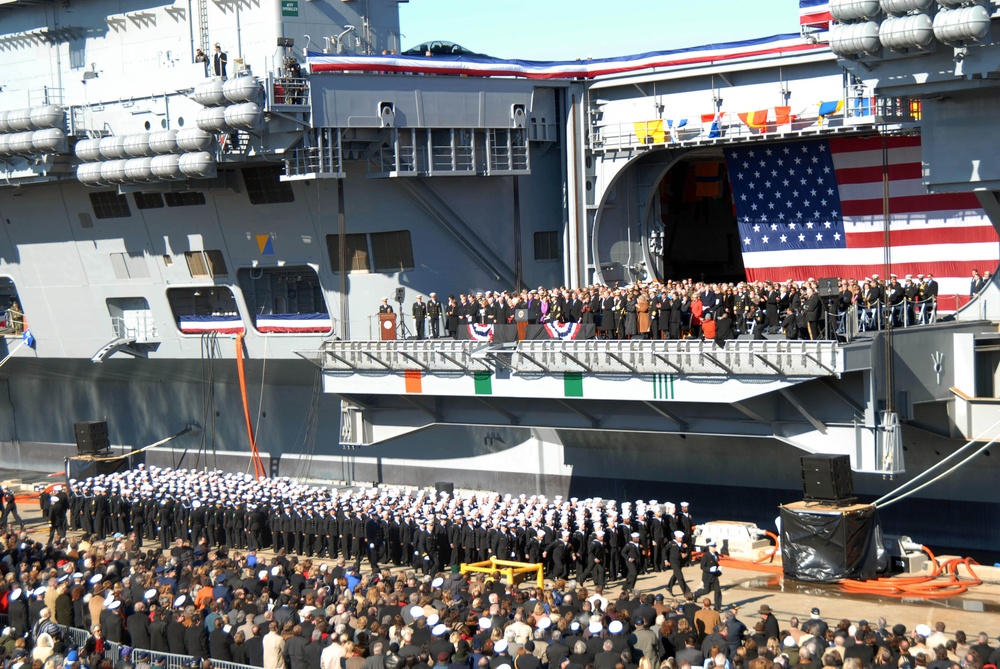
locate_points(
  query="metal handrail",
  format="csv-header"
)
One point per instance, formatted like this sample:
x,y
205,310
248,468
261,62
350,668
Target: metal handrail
x,y
112,649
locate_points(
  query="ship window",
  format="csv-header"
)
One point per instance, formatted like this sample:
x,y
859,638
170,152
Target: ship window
x,y
357,252
285,299
109,204
130,265
206,264
547,245
148,200
392,251
206,310
264,185
185,199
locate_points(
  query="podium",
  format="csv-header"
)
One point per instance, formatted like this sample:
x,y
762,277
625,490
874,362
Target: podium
x,y
387,327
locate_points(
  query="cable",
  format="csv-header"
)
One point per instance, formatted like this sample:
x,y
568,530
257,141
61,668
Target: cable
x,y
940,476
260,402
881,501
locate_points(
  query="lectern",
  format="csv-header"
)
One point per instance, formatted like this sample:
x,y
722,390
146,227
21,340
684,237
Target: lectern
x,y
387,327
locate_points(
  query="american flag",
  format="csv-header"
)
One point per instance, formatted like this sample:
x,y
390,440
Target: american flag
x,y
814,208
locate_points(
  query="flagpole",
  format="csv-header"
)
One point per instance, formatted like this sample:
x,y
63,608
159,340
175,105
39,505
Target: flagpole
x,y
11,354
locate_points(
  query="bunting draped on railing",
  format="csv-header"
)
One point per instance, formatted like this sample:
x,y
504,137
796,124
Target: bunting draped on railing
x,y
483,66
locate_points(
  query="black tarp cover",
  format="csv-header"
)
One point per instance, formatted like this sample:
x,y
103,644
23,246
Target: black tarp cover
x,y
825,546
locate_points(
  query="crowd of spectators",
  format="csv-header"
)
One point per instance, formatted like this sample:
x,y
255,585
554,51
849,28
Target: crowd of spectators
x,y
286,613
720,311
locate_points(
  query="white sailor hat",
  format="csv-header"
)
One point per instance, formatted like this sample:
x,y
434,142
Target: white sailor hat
x,y
149,594
543,624
678,534
95,579
439,630
15,593
485,623
433,620
616,627
500,646
437,583
635,535
114,604
710,544
416,611
595,627
179,601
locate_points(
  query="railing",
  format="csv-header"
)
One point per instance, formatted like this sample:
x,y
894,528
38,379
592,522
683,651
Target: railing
x,y
289,91
628,357
112,650
858,111
141,329
322,158
683,356
907,313
11,322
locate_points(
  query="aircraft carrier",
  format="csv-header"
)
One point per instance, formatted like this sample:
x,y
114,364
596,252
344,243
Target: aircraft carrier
x,y
202,254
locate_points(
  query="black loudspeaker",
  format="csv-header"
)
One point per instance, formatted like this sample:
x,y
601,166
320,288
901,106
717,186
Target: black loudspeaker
x,y
520,315
444,486
829,287
91,436
400,294
827,478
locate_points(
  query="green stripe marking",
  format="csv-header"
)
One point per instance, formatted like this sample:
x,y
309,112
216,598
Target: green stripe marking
x,y
484,383
573,383
663,387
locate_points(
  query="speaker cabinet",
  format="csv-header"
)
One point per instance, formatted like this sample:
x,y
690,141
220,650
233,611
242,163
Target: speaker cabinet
x,y
829,286
827,478
91,436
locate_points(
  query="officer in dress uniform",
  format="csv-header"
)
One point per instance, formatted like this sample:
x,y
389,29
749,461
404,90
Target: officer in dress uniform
x,y
434,314
385,307
419,313
676,556
710,572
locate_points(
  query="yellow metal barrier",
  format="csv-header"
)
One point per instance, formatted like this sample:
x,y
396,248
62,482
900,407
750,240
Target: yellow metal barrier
x,y
513,571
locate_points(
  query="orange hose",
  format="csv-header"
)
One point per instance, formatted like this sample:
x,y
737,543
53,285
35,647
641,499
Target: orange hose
x,y
927,587
258,466
771,552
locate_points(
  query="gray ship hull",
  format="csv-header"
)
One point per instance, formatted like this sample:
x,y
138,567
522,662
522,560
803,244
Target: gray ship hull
x,y
297,428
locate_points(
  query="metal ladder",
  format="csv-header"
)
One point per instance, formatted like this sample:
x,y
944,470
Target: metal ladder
x,y
203,25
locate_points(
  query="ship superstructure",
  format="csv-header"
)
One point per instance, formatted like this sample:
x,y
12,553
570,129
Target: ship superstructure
x,y
193,249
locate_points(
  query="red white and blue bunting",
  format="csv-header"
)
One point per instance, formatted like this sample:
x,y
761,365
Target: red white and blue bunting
x,y
482,66
479,332
205,324
294,323
566,331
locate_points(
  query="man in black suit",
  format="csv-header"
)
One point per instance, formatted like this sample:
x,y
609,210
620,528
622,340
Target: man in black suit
x,y
977,283
813,308
928,298
419,316
219,61
710,572
138,627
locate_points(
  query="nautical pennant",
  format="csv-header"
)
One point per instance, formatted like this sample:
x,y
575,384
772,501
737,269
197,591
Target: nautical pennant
x,y
264,243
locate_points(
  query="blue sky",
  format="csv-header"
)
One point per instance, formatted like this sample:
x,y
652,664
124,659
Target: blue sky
x,y
567,29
